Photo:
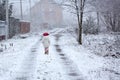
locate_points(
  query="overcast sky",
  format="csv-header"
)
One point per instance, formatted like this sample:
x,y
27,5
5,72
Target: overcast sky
x,y
25,5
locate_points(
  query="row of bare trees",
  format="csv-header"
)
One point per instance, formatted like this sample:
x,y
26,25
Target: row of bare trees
x,y
108,12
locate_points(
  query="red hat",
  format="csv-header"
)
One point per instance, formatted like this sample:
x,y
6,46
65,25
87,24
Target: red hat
x,y
45,34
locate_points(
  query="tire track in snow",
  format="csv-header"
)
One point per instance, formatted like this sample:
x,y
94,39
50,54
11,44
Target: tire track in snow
x,y
70,67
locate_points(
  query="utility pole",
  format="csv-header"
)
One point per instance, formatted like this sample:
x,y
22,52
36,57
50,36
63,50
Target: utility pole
x,y
30,8
21,9
30,11
7,21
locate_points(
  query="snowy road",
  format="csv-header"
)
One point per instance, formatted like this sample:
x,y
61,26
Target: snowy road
x,y
33,64
66,61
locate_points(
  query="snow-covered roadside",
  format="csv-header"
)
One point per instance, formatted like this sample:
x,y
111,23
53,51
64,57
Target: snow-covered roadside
x,y
11,58
106,46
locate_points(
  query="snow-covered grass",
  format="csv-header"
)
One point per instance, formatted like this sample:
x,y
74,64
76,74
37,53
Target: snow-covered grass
x,y
102,44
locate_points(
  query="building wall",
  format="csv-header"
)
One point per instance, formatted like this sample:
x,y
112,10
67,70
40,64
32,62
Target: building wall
x,y
46,12
24,27
14,27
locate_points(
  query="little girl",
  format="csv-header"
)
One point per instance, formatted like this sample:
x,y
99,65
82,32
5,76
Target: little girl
x,y
46,42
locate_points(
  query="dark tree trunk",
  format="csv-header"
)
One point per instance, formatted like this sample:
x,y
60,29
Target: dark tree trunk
x,y
82,4
80,28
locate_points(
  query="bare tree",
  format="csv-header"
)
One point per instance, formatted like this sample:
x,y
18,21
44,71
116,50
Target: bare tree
x,y
78,7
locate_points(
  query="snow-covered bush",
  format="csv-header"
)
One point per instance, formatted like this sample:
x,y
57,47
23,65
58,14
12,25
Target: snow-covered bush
x,y
103,45
90,26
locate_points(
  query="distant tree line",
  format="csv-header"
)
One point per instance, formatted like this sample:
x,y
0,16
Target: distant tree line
x,y
90,26
109,10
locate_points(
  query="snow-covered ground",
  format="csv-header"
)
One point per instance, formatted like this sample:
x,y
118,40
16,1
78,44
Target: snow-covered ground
x,y
25,59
